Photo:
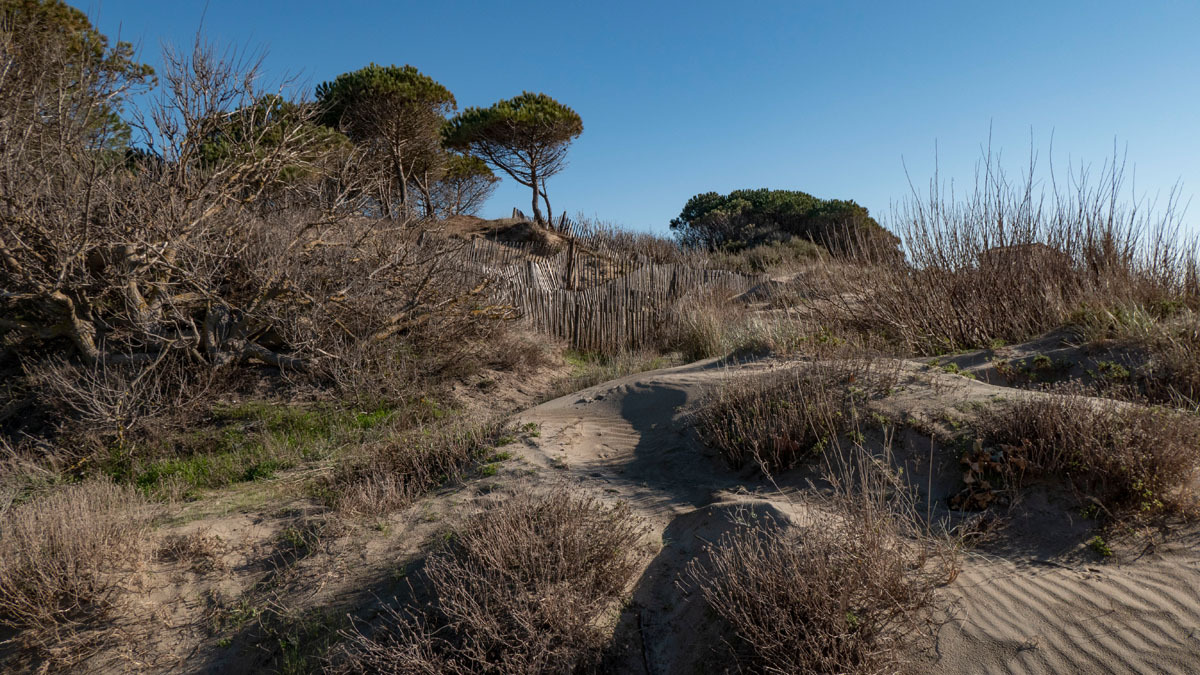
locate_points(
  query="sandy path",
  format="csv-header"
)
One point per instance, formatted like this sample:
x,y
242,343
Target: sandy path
x,y
628,439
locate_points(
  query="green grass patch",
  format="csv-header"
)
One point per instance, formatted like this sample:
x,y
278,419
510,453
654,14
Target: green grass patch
x,y
250,441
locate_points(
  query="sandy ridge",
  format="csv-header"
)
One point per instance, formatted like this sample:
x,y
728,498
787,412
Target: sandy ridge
x,y
628,439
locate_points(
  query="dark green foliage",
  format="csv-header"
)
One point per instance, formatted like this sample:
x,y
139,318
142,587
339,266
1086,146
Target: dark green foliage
x,y
396,113
746,218
467,166
266,127
55,42
346,99
526,137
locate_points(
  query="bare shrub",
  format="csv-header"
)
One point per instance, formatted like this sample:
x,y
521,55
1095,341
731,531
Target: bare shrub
x,y
62,557
232,241
201,550
520,589
846,588
1011,261
390,474
1122,457
780,419
387,307
113,403
519,351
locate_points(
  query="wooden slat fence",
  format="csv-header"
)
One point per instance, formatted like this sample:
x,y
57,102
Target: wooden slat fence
x,y
603,304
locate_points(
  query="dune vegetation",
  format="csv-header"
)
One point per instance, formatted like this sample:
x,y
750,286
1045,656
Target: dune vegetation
x,y
274,399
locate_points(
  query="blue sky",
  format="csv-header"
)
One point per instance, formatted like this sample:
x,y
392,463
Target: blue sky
x,y
833,98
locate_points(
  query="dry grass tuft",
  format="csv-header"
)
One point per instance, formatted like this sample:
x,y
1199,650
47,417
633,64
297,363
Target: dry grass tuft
x,y
703,324
781,419
200,550
846,589
1166,339
591,368
62,557
391,474
1124,458
1012,261
520,589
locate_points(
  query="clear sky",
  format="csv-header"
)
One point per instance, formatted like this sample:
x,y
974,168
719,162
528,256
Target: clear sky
x,y
833,98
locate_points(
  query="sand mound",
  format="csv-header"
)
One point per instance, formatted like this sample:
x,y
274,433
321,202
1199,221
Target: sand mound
x,y
1038,618
1025,605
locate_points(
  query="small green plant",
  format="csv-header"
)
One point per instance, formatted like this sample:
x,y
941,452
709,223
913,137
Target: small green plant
x,y
1111,370
294,538
1100,547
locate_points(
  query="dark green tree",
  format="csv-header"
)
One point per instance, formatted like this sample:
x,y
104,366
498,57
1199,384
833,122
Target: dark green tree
x,y
52,48
526,137
745,218
398,113
270,123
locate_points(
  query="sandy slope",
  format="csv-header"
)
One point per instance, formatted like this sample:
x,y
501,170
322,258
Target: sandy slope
x,y
1142,617
1035,600
1037,603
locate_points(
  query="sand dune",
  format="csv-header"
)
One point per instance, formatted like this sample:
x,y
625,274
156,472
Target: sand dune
x,y
1142,617
1032,608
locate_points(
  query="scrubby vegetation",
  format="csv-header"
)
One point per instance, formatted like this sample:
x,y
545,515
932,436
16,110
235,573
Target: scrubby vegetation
x,y
1159,345
1011,262
519,589
777,420
1122,458
62,558
389,474
239,307
845,589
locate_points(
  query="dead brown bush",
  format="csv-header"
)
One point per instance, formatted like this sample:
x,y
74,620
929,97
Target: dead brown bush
x,y
1124,458
519,588
110,405
1011,262
780,419
846,588
235,240
62,557
202,551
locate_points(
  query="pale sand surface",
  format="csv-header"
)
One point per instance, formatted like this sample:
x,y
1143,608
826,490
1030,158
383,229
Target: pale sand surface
x,y
1036,602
